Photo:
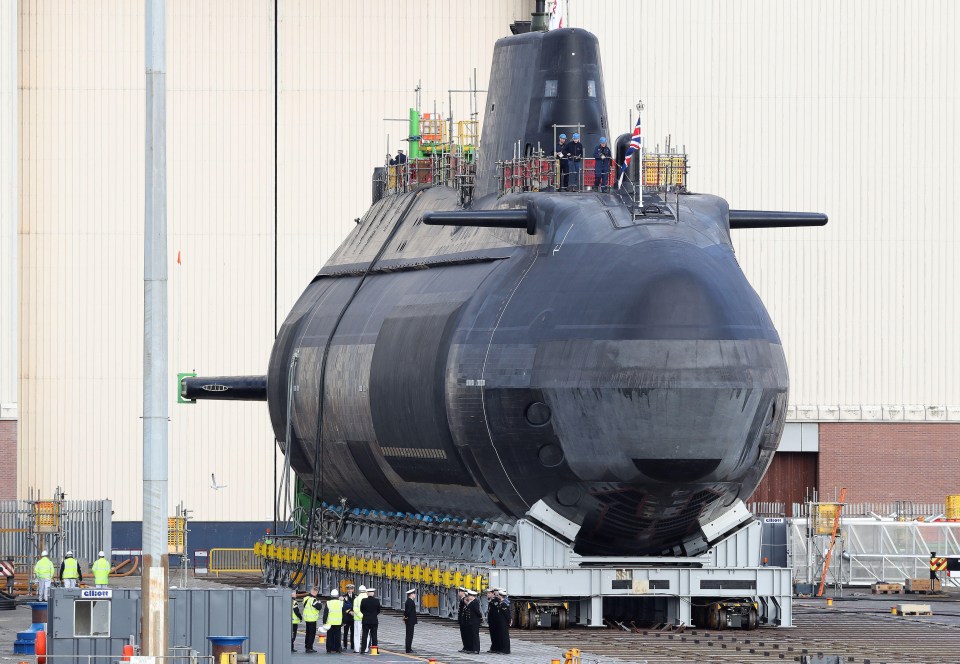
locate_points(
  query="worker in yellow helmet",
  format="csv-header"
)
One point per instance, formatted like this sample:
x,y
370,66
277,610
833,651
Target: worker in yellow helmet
x,y
43,570
70,572
101,571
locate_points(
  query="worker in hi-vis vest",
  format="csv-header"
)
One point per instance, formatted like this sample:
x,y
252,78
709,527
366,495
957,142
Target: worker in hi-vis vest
x,y
311,614
70,572
333,619
101,571
43,570
358,617
297,617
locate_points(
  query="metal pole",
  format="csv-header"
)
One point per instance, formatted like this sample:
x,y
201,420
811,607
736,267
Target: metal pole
x,y
154,582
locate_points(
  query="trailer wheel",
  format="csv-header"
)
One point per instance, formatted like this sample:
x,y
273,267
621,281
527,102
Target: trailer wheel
x,y
713,616
562,618
531,618
752,620
521,620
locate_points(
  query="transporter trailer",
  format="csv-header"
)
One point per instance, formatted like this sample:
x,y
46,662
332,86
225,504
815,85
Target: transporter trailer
x,y
548,584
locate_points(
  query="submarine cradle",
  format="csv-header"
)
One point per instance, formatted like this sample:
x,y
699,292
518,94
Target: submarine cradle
x,y
592,366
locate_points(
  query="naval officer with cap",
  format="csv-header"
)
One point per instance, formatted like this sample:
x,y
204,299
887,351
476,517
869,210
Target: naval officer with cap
x,y
504,615
410,617
348,616
473,618
370,608
461,618
493,619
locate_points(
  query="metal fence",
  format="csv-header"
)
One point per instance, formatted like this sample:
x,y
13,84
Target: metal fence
x,y
901,510
82,526
871,550
233,561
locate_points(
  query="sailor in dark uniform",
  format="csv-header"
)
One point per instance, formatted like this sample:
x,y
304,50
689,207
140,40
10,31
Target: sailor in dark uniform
x,y
493,619
504,614
601,169
474,617
574,152
562,161
410,617
462,618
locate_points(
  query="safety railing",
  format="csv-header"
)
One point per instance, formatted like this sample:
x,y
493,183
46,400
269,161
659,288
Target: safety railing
x,y
186,656
452,169
233,561
540,173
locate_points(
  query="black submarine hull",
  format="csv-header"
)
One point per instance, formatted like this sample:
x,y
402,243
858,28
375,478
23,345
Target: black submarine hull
x,y
625,374
541,353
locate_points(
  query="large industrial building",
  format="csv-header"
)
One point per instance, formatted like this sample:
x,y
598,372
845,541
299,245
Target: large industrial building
x,y
278,110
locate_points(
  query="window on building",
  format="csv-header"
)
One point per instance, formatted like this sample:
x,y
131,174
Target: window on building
x,y
91,618
550,89
592,88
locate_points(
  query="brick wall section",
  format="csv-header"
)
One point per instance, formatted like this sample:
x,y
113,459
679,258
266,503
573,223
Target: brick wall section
x,y
890,461
8,459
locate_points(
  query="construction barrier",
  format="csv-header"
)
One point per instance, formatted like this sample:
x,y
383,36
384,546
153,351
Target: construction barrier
x,y
233,561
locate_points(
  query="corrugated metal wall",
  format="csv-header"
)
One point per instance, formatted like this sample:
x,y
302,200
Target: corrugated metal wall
x,y
8,208
844,107
342,70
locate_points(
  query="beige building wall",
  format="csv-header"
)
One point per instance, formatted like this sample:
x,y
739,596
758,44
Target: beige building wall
x,y
8,210
845,108
342,71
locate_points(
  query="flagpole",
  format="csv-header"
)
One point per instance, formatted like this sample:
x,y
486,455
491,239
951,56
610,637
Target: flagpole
x,y
638,187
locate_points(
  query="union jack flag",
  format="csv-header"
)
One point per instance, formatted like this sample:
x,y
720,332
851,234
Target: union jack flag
x,y
635,144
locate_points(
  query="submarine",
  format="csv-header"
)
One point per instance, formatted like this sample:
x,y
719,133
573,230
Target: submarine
x,y
494,351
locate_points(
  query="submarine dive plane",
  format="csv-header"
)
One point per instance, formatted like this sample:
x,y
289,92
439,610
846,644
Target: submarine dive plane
x,y
496,347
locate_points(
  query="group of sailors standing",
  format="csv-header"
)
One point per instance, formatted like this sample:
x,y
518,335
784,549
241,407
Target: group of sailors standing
x,y
570,157
470,617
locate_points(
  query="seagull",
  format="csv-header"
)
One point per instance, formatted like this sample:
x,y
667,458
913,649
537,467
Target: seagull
x,y
213,483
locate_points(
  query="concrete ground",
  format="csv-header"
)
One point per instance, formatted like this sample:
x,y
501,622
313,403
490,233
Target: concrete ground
x,y
858,627
433,638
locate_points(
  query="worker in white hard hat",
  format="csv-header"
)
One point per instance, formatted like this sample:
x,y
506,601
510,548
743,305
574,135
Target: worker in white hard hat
x,y
358,618
333,619
70,572
101,571
43,570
